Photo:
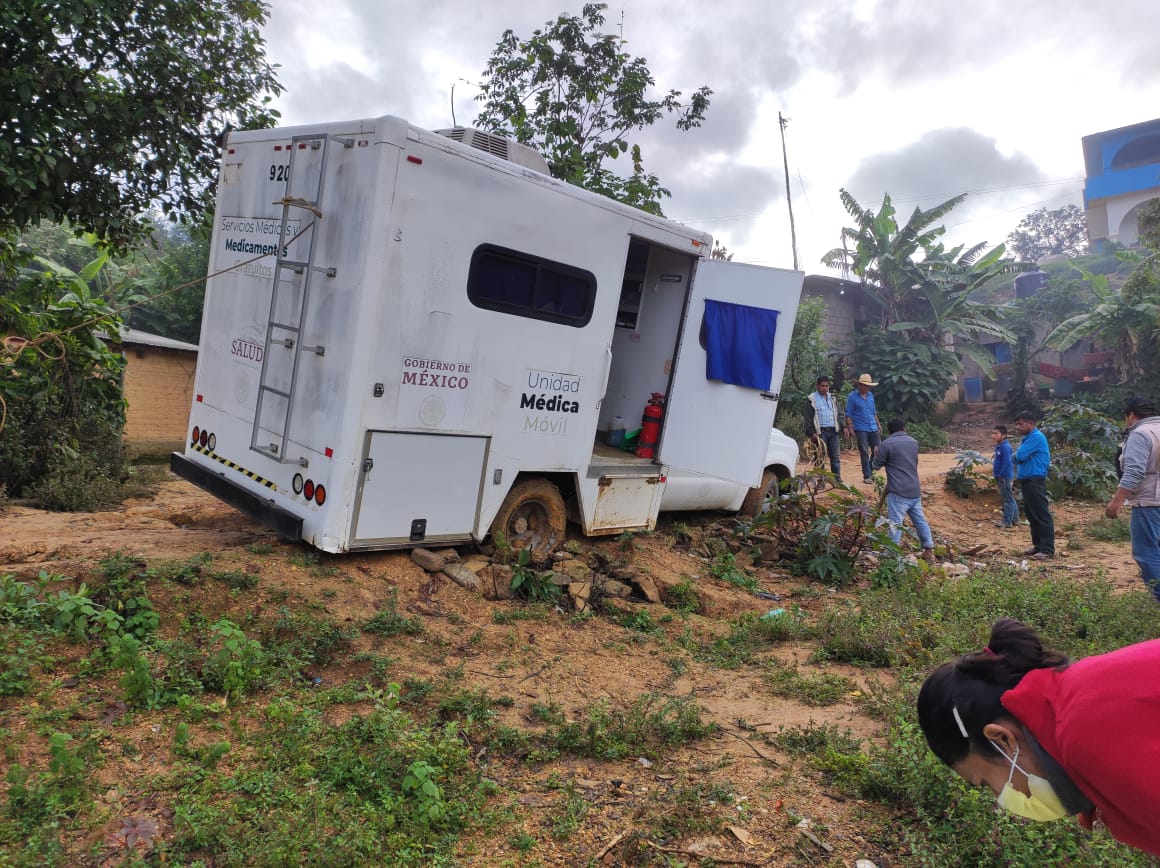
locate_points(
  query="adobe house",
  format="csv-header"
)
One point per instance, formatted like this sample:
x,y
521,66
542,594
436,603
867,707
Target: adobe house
x,y
158,388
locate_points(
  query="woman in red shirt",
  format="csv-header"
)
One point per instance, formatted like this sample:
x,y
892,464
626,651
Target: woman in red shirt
x,y
1053,738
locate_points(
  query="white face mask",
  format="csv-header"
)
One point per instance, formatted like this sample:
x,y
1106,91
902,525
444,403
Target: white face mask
x,y
1042,805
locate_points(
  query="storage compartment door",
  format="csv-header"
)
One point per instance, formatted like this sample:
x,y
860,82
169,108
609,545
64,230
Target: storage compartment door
x,y
418,487
710,426
626,501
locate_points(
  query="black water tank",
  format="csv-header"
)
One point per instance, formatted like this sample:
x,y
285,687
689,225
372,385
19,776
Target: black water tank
x,y
1029,283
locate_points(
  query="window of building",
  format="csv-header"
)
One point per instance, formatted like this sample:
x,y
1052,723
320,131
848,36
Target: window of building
x,y
508,281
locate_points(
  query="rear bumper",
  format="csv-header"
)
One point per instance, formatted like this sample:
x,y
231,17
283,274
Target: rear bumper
x,y
286,524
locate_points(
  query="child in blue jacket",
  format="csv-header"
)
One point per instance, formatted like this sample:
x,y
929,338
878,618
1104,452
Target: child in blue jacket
x,y
1003,468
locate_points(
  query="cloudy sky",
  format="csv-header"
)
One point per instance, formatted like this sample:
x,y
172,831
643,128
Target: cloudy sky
x,y
922,99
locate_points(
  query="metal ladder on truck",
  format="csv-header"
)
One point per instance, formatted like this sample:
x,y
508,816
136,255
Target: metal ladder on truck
x,y
284,349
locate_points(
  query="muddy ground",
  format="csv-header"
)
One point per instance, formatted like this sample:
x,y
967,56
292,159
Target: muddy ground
x,y
572,663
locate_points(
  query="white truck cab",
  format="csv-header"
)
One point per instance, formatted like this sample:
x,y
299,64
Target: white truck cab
x,y
419,338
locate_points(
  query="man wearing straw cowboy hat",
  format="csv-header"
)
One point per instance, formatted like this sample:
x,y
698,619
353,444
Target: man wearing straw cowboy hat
x,y
862,422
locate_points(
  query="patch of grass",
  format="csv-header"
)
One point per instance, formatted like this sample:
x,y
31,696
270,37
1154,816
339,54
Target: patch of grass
x,y
311,792
389,622
188,572
682,597
814,738
566,818
531,612
922,622
724,568
650,724
818,690
1109,529
297,639
237,580
685,809
748,634
640,621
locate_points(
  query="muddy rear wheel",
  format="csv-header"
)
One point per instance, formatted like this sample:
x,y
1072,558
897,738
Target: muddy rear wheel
x,y
532,517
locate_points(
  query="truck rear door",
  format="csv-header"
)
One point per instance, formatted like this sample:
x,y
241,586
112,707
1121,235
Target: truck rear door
x,y
718,428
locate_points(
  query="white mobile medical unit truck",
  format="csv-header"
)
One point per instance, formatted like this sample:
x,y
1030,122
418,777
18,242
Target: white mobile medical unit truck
x,y
413,340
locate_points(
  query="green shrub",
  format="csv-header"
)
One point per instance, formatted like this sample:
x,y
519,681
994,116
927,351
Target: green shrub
x,y
1084,445
912,377
76,483
964,479
928,435
1109,529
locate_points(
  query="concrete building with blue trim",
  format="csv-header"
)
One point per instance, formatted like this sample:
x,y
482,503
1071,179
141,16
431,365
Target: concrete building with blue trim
x,y
1123,172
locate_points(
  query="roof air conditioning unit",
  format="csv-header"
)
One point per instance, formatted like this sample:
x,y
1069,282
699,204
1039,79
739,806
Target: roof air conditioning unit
x,y
498,146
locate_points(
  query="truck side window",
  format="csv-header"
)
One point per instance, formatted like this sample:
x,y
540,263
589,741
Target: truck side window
x,y
523,285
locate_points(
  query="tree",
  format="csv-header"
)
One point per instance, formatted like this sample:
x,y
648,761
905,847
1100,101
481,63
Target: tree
x,y
1044,233
719,251
575,95
112,107
62,390
923,293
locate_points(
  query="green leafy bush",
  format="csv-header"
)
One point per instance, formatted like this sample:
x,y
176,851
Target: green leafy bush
x,y
76,483
1084,444
963,479
928,435
65,410
912,376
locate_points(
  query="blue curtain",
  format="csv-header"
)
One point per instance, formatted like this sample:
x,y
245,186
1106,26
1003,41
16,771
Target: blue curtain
x,y
739,343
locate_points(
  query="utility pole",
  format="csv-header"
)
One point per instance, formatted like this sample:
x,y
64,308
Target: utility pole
x,y
781,122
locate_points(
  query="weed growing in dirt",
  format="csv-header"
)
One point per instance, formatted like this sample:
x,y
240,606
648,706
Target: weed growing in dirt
x,y
819,690
683,597
187,572
748,635
296,639
649,725
389,622
724,568
964,478
1109,530
380,783
526,613
566,819
640,621
921,622
529,583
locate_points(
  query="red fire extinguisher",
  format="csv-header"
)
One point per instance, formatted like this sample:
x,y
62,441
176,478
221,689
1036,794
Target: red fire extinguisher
x,y
650,426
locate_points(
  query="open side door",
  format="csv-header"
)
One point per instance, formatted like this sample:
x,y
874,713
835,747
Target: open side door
x,y
712,427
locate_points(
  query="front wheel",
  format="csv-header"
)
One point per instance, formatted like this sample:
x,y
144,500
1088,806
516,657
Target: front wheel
x,y
755,500
532,517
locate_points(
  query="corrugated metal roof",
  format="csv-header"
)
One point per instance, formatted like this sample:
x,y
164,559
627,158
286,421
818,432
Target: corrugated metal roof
x,y
133,336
